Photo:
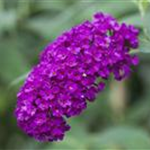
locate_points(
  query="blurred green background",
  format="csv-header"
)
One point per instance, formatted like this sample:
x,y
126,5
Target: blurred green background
x,y
120,117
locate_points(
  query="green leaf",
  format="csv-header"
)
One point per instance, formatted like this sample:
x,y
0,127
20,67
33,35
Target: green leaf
x,y
144,45
8,20
19,79
50,27
143,6
134,19
23,9
12,62
1,5
146,22
139,111
49,5
120,138
118,9
3,103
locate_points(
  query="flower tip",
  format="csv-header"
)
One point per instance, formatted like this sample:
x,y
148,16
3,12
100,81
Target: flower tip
x,y
135,60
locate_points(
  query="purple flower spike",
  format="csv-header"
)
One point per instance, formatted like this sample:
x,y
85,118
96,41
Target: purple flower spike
x,y
73,70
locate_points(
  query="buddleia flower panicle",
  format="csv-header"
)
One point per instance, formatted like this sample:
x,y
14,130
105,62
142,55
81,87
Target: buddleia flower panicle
x,y
73,70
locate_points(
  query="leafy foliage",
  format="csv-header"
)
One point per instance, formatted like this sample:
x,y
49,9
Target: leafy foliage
x,y
27,26
122,137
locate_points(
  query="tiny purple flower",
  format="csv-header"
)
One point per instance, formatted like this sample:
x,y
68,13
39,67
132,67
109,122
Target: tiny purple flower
x,y
73,70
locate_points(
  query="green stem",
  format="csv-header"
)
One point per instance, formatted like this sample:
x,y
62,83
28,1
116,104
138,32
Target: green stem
x,y
18,80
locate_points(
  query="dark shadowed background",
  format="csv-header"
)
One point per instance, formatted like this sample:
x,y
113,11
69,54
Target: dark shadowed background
x,y
120,117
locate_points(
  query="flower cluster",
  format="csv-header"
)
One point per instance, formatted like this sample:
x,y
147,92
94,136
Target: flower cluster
x,y
73,70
